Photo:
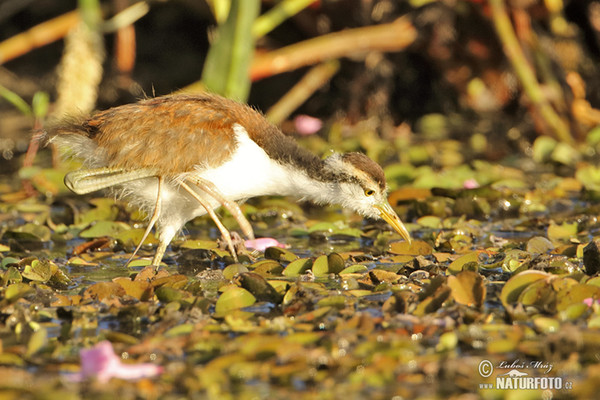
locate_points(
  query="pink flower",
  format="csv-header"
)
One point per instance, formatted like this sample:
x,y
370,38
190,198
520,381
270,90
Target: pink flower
x,y
307,125
589,301
262,243
100,362
470,184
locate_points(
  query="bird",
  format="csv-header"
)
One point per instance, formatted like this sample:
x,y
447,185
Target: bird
x,y
180,156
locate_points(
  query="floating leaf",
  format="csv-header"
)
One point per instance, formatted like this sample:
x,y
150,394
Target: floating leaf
x,y
514,286
562,232
12,275
539,245
141,290
132,237
30,231
416,248
354,269
279,254
298,267
469,261
105,228
259,287
467,288
104,290
516,261
36,342
17,290
167,294
199,244
336,263
232,299
268,268
232,270
575,294
38,271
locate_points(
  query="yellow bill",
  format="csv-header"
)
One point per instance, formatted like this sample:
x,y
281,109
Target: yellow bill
x,y
388,214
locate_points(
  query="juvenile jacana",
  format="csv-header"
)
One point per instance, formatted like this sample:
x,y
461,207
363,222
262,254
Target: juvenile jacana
x,y
181,156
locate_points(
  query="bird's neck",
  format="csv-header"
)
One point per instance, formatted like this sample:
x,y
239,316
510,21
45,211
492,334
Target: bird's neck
x,y
314,184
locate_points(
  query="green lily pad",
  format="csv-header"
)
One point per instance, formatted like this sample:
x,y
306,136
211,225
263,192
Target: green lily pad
x,y
469,261
40,271
354,269
279,254
105,228
562,232
267,268
298,267
259,287
325,265
234,298
514,286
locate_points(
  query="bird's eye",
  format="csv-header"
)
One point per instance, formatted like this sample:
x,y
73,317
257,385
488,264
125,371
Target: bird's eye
x,y
369,192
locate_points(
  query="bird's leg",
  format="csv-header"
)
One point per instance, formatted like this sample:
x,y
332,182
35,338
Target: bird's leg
x,y
224,232
210,189
155,216
160,252
89,180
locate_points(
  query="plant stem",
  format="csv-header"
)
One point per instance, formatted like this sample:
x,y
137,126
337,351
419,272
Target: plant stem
x,y
525,72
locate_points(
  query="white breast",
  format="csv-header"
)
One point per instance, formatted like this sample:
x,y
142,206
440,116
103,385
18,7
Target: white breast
x,y
249,172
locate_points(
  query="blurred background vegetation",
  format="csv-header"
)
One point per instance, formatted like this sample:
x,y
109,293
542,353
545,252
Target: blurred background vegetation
x,y
493,74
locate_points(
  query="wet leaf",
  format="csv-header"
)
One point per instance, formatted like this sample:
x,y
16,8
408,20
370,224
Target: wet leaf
x,y
36,342
16,290
104,291
515,285
516,261
416,248
12,275
279,254
38,271
234,298
132,237
259,287
140,290
30,232
199,244
298,267
469,261
234,269
539,245
267,268
467,288
354,269
168,294
562,232
575,294
105,228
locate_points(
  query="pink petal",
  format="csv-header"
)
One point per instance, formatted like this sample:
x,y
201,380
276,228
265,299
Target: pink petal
x,y
102,363
135,371
262,243
589,301
470,184
307,125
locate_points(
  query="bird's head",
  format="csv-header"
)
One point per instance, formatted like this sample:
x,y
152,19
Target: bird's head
x,y
363,188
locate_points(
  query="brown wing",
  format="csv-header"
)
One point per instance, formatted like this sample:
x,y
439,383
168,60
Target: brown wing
x,y
170,133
